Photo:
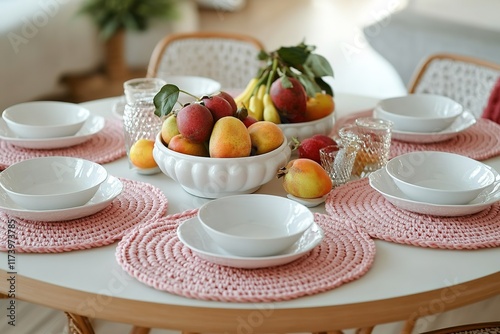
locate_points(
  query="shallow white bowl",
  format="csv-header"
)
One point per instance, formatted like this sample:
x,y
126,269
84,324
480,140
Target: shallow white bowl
x,y
198,86
50,183
45,119
303,130
253,224
419,112
439,177
218,177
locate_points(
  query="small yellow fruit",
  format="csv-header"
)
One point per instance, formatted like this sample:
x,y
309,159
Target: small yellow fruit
x,y
305,178
141,154
169,129
265,136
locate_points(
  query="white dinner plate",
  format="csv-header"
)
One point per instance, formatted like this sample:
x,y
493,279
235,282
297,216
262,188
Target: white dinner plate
x,y
309,202
192,235
107,192
92,126
462,123
383,183
119,107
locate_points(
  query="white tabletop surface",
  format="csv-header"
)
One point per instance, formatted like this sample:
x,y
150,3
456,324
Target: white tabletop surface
x,y
398,270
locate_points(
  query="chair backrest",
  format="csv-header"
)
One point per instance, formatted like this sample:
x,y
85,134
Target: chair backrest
x,y
228,58
467,80
478,328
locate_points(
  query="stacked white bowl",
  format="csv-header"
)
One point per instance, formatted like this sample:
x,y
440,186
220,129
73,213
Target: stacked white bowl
x,y
420,113
50,183
45,119
255,225
439,177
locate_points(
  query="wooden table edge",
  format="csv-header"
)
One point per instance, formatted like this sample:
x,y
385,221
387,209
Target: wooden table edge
x,y
260,318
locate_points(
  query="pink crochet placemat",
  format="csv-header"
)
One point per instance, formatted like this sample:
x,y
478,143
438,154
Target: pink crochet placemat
x,y
359,202
155,256
480,142
106,146
139,202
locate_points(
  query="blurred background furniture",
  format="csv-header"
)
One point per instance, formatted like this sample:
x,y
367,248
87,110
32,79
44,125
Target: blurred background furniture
x,y
45,41
467,80
479,328
425,27
228,58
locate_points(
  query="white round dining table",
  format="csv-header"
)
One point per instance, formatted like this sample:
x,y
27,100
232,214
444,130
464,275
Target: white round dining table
x,y
404,281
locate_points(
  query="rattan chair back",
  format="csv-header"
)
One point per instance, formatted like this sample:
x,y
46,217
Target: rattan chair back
x,y
231,59
479,328
467,80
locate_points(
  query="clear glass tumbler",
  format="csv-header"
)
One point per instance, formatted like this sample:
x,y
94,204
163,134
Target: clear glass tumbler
x,y
374,137
338,161
139,119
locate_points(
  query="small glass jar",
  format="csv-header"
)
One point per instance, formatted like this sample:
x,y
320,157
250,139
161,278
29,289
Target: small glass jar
x,y
139,119
374,137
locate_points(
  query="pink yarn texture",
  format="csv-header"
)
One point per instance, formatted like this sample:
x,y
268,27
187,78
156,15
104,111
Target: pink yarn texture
x,y
109,140
155,256
138,203
481,141
357,201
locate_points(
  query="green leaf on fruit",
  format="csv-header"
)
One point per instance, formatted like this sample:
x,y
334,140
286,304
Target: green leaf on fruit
x,y
294,56
285,82
324,86
319,65
310,86
165,100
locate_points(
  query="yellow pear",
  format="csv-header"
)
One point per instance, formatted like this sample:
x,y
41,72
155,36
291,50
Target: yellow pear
x,y
229,139
305,178
266,136
169,128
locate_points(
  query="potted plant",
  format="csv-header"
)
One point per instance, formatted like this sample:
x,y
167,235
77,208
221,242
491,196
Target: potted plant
x,y
114,17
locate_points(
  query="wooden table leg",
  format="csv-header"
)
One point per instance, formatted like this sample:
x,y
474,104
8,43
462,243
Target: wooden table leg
x,y
140,330
409,325
366,330
78,324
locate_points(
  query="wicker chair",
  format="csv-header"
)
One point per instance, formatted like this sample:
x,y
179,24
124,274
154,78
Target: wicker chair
x,y
467,80
228,58
480,328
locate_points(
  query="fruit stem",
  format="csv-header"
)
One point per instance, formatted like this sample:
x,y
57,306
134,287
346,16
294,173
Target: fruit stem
x,y
192,95
281,172
294,143
271,75
261,80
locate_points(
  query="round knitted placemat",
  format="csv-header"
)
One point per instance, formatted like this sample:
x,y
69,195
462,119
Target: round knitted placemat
x,y
139,202
106,146
154,255
359,202
480,142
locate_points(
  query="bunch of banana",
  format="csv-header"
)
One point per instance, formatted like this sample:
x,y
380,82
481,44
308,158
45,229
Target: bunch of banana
x,y
256,99
243,99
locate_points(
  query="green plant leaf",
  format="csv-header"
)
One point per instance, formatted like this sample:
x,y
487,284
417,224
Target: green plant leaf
x,y
165,100
324,86
309,85
295,56
319,65
285,82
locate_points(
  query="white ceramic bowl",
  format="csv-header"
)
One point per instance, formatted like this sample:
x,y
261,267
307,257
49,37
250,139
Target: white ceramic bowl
x,y
255,225
439,177
419,112
218,177
303,130
45,119
198,86
50,183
